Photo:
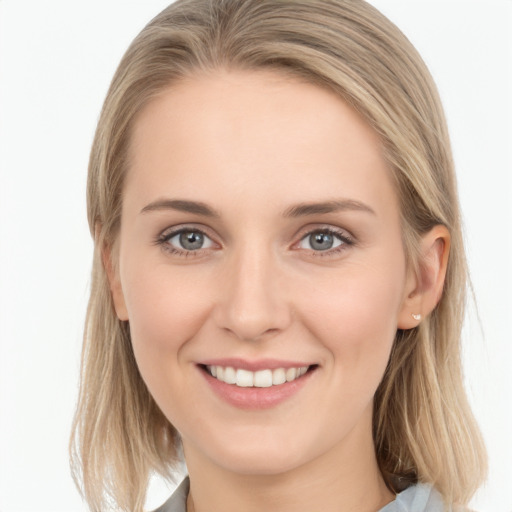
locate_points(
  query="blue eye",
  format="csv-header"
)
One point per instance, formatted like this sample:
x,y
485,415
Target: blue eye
x,y
187,240
322,240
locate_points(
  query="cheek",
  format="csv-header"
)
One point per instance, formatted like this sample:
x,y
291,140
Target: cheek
x,y
355,315
165,310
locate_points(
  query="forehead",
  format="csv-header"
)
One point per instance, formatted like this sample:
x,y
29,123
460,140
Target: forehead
x,y
254,133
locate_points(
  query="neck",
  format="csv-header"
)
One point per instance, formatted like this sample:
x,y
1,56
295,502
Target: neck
x,y
345,479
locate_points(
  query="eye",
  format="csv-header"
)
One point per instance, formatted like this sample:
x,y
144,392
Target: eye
x,y
185,241
323,240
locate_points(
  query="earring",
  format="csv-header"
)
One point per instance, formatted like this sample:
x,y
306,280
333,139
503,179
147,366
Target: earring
x,y
416,317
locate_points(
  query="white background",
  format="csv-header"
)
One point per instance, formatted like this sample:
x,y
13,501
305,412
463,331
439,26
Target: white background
x,y
56,60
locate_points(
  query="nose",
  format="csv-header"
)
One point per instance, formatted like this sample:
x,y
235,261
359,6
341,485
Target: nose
x,y
253,301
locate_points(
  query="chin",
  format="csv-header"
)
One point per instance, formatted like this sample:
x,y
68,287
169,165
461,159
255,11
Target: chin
x,y
262,463
264,457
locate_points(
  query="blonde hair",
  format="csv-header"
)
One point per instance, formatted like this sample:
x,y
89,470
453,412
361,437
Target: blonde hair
x,y
423,427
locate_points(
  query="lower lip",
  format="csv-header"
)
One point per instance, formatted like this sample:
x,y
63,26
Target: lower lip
x,y
253,397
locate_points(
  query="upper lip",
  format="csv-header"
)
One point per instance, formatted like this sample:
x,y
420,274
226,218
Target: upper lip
x,y
259,364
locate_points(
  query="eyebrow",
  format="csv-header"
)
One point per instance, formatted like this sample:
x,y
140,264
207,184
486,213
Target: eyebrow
x,y
181,205
299,210
304,209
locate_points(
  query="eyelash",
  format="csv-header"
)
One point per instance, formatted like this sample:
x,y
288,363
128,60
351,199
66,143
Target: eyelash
x,y
163,241
345,239
165,236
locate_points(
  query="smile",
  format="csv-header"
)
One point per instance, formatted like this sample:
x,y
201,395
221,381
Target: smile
x,y
253,385
259,379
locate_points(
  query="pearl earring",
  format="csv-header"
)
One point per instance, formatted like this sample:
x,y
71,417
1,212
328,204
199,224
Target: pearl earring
x,y
416,317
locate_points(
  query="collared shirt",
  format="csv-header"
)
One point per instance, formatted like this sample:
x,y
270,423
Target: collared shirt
x,y
417,498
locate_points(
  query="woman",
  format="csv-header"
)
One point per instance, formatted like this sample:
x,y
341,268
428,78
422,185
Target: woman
x,y
279,275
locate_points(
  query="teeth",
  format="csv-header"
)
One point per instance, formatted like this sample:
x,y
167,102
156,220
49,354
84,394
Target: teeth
x,y
291,374
229,375
278,376
259,379
263,378
244,378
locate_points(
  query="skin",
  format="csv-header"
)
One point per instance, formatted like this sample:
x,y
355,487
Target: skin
x,y
251,146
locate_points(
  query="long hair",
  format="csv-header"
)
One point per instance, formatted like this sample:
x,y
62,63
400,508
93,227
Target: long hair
x,y
423,427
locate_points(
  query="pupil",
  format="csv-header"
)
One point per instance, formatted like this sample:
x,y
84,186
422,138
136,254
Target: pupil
x,y
191,240
321,241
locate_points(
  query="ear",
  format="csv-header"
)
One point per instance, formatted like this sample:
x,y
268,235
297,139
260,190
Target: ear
x,y
114,282
424,289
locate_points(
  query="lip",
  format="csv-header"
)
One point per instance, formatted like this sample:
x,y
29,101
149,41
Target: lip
x,y
253,398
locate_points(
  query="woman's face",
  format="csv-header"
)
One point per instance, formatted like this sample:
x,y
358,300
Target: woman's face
x,y
260,235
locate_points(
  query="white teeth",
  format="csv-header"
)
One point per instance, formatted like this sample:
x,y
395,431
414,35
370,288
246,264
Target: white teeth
x,y
244,378
278,376
229,375
291,374
260,379
263,379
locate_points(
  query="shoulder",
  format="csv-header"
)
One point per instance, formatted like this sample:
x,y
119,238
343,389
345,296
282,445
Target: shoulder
x,y
178,501
418,498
